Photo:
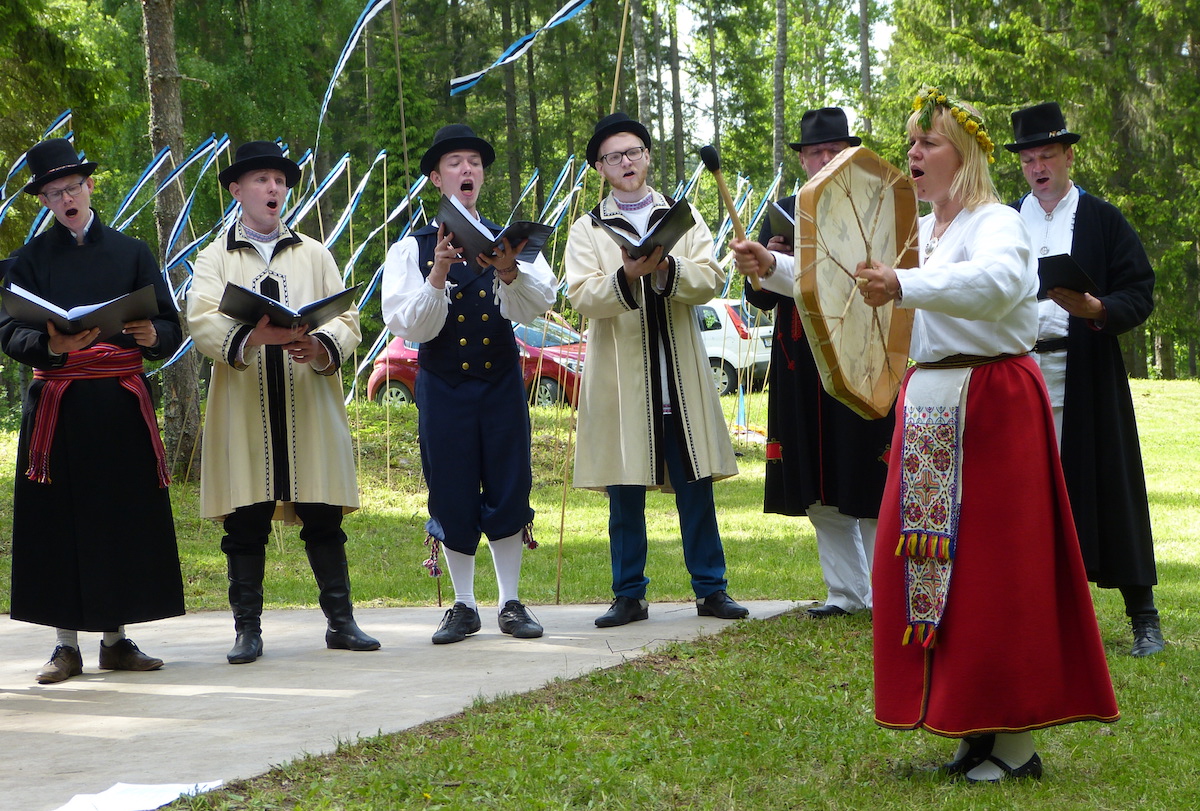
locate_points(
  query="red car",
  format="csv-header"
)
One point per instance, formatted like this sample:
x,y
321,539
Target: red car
x,y
551,359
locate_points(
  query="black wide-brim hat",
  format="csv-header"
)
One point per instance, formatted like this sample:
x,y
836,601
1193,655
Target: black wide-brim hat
x,y
52,159
825,125
260,155
611,125
1039,125
455,138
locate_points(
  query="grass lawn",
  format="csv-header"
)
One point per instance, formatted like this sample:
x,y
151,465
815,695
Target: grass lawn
x,y
769,714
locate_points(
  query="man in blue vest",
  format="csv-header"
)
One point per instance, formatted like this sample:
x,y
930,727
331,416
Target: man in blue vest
x,y
473,420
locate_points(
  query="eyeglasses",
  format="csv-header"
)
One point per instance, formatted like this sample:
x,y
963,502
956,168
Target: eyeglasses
x,y
634,154
57,194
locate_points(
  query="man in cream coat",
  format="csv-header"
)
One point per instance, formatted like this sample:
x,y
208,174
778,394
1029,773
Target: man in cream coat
x,y
276,439
649,416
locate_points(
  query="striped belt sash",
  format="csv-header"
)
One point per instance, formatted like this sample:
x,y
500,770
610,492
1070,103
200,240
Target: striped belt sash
x,y
97,361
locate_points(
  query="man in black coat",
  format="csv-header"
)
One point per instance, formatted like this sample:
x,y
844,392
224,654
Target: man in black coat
x,y
1080,357
93,538
825,461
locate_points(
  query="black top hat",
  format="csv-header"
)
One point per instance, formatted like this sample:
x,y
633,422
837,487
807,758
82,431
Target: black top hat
x,y
611,125
1040,125
260,155
825,126
53,158
454,137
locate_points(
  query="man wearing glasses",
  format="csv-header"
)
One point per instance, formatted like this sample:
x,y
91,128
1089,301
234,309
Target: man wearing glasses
x,y
649,416
93,539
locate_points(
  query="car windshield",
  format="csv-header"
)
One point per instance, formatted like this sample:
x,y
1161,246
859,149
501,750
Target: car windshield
x,y
543,332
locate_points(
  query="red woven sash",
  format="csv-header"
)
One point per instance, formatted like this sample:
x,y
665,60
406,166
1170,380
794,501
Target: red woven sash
x,y
97,361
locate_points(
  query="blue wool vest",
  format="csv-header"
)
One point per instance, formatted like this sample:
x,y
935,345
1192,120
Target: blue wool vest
x,y
477,341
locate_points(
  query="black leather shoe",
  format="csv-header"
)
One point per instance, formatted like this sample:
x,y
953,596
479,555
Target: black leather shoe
x,y
460,622
348,636
516,621
823,612
721,605
1147,635
623,611
247,647
1031,768
125,656
978,749
64,663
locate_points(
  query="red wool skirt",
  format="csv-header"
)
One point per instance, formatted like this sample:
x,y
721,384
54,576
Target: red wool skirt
x,y
1018,647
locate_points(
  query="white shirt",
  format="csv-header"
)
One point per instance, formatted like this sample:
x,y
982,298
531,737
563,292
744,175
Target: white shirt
x,y
975,294
1052,234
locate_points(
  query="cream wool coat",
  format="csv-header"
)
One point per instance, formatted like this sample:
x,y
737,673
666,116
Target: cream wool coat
x,y
237,468
620,418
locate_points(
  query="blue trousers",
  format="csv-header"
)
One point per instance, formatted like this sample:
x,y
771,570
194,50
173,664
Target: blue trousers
x,y
702,550
476,458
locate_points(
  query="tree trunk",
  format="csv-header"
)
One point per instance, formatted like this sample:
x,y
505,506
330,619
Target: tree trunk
x,y
1164,356
676,97
660,113
637,26
181,382
781,25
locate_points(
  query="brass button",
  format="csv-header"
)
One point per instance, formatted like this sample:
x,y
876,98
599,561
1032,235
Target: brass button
x,y
487,341
466,366
487,365
462,318
485,316
458,296
463,341
429,264
482,293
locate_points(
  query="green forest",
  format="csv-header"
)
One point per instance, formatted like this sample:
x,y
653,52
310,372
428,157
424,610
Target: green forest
x,y
134,77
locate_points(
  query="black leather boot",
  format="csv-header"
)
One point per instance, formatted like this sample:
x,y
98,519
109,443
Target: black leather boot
x,y
246,600
329,567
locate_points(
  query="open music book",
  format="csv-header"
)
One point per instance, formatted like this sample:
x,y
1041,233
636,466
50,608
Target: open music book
x,y
666,232
475,238
247,306
1060,270
110,316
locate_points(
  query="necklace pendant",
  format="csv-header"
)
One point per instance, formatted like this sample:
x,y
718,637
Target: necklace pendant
x,y
930,245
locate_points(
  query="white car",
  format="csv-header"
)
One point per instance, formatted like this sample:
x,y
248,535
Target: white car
x,y
737,337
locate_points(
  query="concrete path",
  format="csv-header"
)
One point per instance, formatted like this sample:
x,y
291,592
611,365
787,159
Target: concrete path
x,y
200,719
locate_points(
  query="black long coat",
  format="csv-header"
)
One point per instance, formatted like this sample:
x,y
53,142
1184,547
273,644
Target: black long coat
x,y
1101,454
828,453
95,547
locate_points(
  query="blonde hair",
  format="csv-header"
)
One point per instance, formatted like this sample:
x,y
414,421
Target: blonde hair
x,y
972,184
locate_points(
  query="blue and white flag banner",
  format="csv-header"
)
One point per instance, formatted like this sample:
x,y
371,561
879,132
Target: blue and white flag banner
x,y
401,206
210,145
521,199
558,183
344,220
63,119
515,51
147,173
373,7
186,347
302,208
372,353
560,210
185,213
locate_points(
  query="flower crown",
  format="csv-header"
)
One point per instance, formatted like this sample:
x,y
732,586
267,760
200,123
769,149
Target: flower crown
x,y
931,97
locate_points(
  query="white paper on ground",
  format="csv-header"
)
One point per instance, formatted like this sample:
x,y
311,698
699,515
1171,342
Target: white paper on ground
x,y
134,797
